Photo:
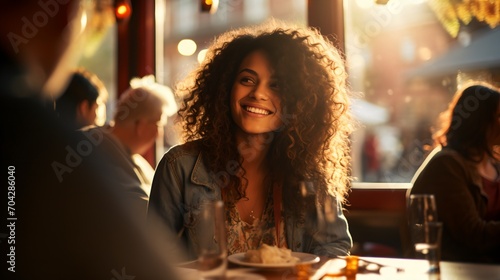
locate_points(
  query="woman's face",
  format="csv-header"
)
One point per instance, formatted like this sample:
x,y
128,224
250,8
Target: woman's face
x,y
255,102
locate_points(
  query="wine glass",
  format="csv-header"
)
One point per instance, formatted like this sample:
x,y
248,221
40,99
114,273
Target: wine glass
x,y
425,230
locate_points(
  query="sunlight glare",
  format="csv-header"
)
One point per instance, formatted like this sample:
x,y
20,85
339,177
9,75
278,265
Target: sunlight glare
x,y
83,21
365,4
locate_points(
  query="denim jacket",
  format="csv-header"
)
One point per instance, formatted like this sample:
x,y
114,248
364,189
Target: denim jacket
x,y
182,183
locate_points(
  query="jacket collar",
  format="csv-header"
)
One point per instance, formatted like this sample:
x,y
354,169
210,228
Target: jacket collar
x,y
201,176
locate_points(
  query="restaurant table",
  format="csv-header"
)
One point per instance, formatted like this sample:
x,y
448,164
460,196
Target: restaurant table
x,y
383,269
396,268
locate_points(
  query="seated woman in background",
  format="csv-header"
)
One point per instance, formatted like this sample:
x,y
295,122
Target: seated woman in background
x,y
266,119
83,103
464,176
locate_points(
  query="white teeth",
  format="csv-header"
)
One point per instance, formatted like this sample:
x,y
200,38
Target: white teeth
x,y
257,110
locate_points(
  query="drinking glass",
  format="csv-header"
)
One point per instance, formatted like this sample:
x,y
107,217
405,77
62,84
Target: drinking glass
x,y
425,230
212,243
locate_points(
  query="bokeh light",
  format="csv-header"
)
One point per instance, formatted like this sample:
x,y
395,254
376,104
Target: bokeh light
x,y
201,55
186,47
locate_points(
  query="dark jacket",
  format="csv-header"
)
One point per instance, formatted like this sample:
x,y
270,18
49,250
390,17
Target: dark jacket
x,y
462,205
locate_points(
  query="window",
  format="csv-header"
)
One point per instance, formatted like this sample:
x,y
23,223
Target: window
x,y
103,50
407,58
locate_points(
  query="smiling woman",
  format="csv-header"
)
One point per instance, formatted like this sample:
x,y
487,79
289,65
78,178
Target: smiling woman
x,y
265,116
255,103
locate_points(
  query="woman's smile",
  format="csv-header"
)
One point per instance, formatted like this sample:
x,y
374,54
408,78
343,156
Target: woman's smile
x,y
256,110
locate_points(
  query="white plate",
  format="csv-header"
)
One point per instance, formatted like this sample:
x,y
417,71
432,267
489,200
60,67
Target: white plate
x,y
305,258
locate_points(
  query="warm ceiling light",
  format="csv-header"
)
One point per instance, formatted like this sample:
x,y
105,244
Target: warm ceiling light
x,y
123,9
209,6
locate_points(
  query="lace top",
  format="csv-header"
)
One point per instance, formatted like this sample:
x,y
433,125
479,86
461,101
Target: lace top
x,y
243,236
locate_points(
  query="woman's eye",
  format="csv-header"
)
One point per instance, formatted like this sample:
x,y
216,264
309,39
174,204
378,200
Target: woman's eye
x,y
274,86
247,81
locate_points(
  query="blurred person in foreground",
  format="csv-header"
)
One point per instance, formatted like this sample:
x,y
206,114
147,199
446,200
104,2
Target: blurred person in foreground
x,y
266,119
67,218
141,114
83,103
463,173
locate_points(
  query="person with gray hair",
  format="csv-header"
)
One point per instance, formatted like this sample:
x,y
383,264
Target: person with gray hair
x,y
139,118
141,113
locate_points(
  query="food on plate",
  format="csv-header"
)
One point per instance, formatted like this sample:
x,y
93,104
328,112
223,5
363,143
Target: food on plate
x,y
270,255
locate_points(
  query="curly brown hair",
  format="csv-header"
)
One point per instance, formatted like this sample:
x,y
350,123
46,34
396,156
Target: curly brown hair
x,y
313,144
